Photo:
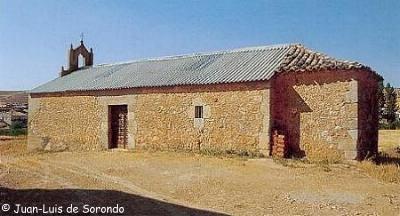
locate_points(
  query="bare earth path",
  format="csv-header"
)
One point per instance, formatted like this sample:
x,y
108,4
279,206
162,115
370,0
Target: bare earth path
x,y
187,184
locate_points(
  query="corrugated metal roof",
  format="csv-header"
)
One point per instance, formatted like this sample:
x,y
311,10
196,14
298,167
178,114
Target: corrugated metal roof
x,y
240,65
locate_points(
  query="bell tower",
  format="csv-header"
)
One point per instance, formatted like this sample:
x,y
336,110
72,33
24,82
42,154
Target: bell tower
x,y
73,63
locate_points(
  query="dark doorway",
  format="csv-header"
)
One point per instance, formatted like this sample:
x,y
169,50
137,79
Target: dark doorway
x,y
118,126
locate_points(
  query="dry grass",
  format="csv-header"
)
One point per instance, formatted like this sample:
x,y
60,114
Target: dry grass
x,y
384,172
389,139
386,166
18,145
321,154
197,180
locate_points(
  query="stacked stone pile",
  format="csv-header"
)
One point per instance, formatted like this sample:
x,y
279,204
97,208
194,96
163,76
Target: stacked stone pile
x,y
279,147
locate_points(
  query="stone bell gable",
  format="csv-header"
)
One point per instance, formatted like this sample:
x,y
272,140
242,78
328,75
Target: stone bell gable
x,y
73,60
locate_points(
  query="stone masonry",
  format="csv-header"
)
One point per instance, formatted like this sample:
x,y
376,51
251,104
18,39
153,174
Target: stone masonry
x,y
332,109
58,123
279,145
236,117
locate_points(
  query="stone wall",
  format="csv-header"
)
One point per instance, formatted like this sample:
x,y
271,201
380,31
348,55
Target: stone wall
x,y
318,113
59,123
236,117
279,146
325,111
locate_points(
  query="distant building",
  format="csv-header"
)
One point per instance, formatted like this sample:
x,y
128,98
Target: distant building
x,y
13,98
281,100
12,116
13,108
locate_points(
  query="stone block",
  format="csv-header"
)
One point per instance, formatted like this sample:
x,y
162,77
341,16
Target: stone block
x,y
353,134
36,143
350,155
55,146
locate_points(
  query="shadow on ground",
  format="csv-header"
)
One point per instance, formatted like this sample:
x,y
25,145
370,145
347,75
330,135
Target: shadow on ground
x,y
391,156
387,160
132,204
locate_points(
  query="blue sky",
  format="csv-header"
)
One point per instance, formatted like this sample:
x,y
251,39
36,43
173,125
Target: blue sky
x,y
35,35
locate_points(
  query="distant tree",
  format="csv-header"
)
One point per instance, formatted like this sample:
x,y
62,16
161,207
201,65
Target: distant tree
x,y
16,125
16,128
381,100
390,106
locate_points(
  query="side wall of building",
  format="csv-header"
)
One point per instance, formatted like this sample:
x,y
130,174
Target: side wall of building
x,y
326,113
55,123
236,117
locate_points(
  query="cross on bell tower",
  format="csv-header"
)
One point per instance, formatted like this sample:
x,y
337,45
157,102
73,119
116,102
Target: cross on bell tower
x,y
73,63
82,35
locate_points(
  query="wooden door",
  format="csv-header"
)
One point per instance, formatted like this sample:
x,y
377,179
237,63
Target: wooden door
x,y
118,126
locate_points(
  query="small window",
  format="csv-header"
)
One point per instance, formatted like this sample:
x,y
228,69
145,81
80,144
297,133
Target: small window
x,y
198,111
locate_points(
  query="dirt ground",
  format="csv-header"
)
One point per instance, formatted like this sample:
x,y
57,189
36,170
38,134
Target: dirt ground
x,y
164,183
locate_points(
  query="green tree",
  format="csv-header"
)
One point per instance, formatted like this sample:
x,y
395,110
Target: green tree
x,y
381,100
390,106
16,128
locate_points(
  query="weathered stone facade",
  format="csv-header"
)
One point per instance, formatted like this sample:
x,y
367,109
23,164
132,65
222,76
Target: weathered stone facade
x,y
57,123
316,112
220,101
236,117
333,110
